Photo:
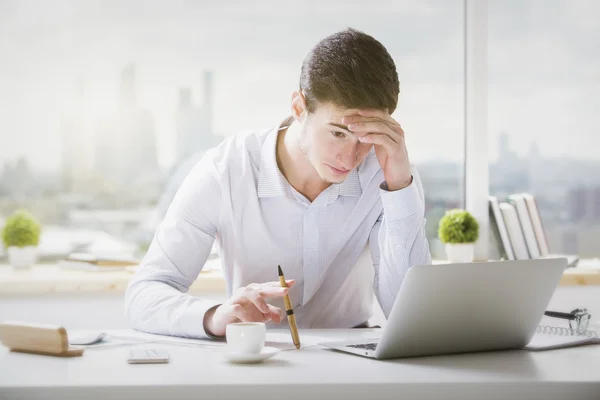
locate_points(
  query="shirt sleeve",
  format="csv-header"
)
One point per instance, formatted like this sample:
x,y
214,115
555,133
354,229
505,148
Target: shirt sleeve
x,y
156,299
398,239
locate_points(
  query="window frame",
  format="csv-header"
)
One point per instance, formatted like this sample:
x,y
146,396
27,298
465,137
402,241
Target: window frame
x,y
475,183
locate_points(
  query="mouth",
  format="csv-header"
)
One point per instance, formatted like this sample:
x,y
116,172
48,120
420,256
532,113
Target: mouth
x,y
338,171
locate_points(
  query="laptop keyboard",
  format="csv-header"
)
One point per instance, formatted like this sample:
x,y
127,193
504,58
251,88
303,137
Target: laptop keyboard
x,y
366,346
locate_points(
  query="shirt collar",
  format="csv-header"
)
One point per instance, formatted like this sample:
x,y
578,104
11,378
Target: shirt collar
x,y
272,183
351,185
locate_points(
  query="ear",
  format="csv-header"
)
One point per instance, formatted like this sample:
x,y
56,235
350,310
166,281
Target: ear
x,y
299,110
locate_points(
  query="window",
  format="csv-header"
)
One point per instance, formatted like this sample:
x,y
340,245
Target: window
x,y
103,102
544,76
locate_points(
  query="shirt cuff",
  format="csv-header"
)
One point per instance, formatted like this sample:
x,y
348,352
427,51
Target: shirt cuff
x,y
192,321
399,204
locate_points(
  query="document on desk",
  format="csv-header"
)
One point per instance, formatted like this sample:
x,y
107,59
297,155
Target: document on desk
x,y
283,341
280,340
143,337
547,342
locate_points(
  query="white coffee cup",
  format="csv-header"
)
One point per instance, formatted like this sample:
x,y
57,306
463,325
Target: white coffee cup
x,y
246,337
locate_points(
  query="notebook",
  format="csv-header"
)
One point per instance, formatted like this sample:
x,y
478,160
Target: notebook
x,y
536,222
526,226
552,337
500,229
515,233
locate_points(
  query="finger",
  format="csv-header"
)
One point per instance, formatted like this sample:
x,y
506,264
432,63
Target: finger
x,y
374,113
255,297
380,139
270,291
373,127
276,314
249,313
288,282
359,118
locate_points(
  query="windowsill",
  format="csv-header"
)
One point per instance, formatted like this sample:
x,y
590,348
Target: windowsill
x,y
54,279
580,277
50,278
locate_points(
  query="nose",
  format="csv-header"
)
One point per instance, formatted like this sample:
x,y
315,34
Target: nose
x,y
349,156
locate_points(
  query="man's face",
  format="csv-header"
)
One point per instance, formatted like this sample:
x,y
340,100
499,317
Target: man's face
x,y
328,145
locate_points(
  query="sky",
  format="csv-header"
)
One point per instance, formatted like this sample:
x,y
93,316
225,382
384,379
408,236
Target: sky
x,y
544,67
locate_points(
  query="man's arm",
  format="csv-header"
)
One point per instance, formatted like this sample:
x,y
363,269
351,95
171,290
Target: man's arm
x,y
155,300
398,240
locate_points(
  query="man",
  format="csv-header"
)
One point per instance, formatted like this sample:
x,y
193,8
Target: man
x,y
317,194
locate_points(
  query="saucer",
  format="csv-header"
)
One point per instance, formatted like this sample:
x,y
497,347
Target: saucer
x,y
242,358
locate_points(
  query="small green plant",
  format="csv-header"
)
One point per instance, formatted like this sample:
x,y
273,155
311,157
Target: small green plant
x,y
21,230
458,226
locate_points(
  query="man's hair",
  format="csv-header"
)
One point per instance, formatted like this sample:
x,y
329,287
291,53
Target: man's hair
x,y
350,69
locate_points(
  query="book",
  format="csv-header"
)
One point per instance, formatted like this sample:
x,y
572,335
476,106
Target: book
x,y
499,228
536,221
87,266
91,262
526,225
515,233
551,337
122,261
533,229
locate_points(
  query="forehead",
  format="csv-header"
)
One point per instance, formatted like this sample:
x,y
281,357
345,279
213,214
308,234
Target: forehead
x,y
332,113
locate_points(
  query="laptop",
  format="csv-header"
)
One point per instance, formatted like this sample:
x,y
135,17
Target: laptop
x,y
464,307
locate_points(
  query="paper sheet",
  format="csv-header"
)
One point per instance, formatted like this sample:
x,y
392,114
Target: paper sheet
x,y
547,342
143,337
110,341
280,340
283,341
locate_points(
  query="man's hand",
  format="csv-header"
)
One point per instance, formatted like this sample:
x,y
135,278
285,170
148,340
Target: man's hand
x,y
247,304
379,128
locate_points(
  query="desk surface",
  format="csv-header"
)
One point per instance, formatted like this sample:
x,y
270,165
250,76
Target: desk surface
x,y
309,373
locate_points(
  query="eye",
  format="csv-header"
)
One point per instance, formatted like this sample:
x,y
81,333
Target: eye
x,y
338,134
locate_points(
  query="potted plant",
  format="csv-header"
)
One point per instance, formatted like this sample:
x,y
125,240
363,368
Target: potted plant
x,y
459,230
21,236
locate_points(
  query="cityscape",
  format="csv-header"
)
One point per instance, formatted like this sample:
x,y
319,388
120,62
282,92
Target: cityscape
x,y
110,197
113,187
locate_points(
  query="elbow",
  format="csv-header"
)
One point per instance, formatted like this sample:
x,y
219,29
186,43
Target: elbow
x,y
131,305
427,257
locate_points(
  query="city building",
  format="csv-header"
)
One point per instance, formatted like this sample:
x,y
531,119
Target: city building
x,y
75,167
126,146
194,123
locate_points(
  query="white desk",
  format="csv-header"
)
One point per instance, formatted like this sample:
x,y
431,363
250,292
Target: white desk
x,y
311,373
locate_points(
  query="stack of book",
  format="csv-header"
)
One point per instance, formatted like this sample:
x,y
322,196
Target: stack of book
x,y
90,262
519,231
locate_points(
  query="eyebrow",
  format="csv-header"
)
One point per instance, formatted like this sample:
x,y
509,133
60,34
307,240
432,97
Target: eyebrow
x,y
341,127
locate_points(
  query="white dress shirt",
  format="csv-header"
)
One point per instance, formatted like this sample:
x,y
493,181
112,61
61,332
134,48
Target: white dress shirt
x,y
354,240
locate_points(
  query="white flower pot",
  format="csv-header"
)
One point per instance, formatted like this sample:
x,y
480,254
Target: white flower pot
x,y
460,252
22,257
